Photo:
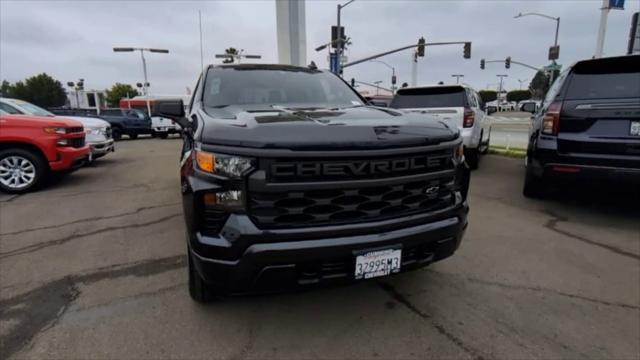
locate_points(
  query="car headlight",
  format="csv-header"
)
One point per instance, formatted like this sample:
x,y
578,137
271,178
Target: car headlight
x,y
93,131
222,164
55,130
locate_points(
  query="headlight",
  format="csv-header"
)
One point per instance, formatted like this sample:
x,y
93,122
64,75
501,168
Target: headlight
x,y
55,130
94,131
221,164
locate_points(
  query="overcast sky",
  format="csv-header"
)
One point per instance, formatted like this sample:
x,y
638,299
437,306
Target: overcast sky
x,y
71,40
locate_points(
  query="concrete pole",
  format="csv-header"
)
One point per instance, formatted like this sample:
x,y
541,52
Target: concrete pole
x,y
144,85
604,14
291,29
414,69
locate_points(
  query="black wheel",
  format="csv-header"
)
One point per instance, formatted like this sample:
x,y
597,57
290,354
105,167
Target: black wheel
x,y
485,145
133,136
163,135
472,156
199,290
534,186
116,133
21,170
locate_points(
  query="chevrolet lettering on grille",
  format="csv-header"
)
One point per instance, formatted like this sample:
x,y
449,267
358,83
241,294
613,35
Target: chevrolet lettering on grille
x,y
358,168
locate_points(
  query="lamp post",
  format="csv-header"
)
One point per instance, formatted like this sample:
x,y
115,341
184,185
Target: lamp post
x,y
555,41
377,83
145,85
500,89
340,43
393,74
521,81
457,76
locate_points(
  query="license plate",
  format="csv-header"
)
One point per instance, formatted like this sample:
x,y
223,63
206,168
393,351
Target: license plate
x,y
635,128
162,129
378,263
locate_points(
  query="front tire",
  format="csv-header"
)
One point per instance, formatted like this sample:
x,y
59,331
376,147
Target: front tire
x,y
116,133
21,170
472,157
199,290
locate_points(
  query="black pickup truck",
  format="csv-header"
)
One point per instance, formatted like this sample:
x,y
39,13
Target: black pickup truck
x,y
289,180
130,122
588,127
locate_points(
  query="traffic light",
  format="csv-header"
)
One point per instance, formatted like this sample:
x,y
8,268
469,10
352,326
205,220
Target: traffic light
x,y
507,62
421,46
353,82
467,50
393,80
482,64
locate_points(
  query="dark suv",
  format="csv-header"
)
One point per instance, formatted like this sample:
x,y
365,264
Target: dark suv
x,y
588,126
131,122
289,181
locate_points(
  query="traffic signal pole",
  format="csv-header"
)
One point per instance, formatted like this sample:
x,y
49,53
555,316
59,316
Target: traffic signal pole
x,y
401,49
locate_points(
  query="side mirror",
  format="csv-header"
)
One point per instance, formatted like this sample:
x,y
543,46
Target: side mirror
x,y
490,110
529,107
173,110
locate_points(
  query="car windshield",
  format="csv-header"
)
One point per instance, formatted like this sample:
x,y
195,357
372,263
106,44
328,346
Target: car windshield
x,y
32,109
429,98
281,86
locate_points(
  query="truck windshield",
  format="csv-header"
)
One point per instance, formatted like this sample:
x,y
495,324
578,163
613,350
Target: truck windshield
x,y
33,109
429,97
279,85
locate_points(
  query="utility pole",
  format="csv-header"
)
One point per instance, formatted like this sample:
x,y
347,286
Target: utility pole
x,y
414,68
393,74
377,86
602,29
521,81
500,89
201,52
457,76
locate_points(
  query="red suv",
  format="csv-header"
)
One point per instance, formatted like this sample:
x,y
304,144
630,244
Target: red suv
x,y
33,146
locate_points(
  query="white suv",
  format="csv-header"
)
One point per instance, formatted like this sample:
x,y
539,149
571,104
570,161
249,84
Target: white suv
x,y
455,105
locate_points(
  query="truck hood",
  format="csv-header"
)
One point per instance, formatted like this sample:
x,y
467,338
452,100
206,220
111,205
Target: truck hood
x,y
358,127
87,122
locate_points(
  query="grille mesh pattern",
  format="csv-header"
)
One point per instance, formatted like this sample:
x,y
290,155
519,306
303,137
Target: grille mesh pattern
x,y
325,207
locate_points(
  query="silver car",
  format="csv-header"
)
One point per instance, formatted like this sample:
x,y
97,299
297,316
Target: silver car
x,y
98,132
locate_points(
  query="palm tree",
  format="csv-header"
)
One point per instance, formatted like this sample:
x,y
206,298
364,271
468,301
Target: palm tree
x,y
232,52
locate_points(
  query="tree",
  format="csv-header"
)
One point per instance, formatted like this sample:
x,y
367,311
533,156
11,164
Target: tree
x,y
518,95
119,91
540,84
232,52
42,90
488,95
6,90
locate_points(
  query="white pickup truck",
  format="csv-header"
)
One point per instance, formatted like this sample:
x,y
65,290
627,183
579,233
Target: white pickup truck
x,y
458,106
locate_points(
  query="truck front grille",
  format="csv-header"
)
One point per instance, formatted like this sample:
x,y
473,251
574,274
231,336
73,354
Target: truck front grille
x,y
76,142
350,205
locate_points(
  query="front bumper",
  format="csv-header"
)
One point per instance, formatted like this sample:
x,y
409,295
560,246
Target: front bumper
x,y
245,259
102,148
69,158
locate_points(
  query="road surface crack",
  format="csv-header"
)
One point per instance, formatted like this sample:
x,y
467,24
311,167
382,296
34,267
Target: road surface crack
x,y
97,218
41,308
40,246
552,224
439,327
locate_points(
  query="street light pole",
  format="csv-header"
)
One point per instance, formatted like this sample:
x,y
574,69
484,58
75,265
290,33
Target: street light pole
x,y
145,89
340,42
557,20
500,89
393,74
377,86
457,76
604,14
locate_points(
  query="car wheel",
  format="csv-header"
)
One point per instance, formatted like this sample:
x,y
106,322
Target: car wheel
x,y
472,156
163,135
116,134
199,290
21,170
534,186
485,145
133,136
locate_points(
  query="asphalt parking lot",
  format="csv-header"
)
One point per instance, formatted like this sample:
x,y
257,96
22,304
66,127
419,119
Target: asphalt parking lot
x,y
93,267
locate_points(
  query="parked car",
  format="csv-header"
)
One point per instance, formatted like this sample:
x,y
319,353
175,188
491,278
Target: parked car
x,y
458,106
379,100
588,126
522,103
130,122
160,126
98,132
289,180
33,146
